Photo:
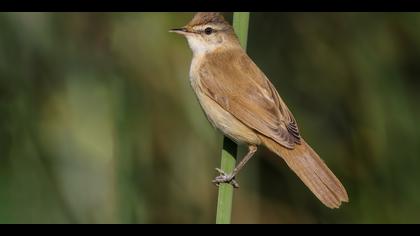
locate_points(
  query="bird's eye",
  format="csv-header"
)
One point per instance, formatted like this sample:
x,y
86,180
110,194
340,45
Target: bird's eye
x,y
208,30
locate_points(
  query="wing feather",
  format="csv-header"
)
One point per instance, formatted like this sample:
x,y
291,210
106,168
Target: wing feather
x,y
240,87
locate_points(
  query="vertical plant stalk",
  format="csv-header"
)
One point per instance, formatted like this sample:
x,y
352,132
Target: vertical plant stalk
x,y
230,149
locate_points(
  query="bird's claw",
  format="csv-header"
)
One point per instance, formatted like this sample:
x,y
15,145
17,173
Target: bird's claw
x,y
225,178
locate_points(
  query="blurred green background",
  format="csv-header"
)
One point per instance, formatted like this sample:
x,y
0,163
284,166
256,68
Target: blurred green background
x,y
98,123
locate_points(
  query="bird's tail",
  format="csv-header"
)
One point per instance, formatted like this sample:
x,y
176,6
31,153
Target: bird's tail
x,y
310,168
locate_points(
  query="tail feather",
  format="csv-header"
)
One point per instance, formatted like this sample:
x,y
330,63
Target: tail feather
x,y
310,168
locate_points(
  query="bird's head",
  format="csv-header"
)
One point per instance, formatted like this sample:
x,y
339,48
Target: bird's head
x,y
208,31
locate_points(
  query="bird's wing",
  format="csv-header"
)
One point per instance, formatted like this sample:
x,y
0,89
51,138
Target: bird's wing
x,y
241,88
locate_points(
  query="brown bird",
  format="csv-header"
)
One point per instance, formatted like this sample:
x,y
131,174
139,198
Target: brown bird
x,y
240,101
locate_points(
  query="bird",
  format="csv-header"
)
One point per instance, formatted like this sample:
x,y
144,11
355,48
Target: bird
x,y
239,100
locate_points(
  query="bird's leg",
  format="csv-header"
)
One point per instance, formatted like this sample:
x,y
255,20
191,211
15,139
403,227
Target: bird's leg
x,y
230,178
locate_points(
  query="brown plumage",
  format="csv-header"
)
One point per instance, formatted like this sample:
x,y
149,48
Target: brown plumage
x,y
311,169
259,106
203,18
239,100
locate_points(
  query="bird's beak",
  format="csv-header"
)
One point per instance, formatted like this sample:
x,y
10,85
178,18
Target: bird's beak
x,y
182,30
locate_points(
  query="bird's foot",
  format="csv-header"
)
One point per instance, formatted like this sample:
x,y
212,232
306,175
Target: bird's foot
x,y
225,178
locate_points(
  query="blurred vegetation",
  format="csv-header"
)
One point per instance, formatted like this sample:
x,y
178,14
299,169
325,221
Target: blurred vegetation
x,y
98,123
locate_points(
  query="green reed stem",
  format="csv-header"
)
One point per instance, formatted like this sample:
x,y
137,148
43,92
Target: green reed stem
x,y
230,149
